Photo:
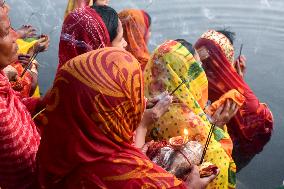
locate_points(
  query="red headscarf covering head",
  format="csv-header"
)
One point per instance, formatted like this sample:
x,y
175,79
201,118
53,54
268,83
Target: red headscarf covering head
x,y
136,25
83,30
251,128
88,139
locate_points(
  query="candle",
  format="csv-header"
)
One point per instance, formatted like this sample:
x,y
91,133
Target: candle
x,y
185,136
177,142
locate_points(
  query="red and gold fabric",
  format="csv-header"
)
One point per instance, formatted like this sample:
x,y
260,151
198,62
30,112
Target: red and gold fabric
x,y
136,27
251,128
170,64
96,103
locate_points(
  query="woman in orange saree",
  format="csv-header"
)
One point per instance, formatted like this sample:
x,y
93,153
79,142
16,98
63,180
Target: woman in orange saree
x,y
136,26
19,139
87,142
252,126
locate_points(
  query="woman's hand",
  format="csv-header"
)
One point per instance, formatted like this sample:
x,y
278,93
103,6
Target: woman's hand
x,y
240,65
41,45
26,31
193,180
159,105
11,73
146,146
151,102
162,103
224,113
24,59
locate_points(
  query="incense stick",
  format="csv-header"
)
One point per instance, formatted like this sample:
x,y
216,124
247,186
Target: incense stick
x,y
241,49
183,81
207,142
29,64
39,113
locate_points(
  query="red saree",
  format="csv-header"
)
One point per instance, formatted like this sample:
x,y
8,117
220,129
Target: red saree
x,y
136,28
251,128
83,30
19,139
87,142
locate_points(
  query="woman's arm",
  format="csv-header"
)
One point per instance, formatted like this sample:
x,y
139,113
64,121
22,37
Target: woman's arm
x,y
150,116
34,74
224,113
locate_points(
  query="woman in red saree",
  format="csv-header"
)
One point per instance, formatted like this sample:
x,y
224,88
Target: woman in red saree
x,y
136,25
251,128
19,139
87,29
83,30
87,142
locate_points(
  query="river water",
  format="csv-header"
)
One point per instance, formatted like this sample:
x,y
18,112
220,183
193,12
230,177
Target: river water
x,y
259,25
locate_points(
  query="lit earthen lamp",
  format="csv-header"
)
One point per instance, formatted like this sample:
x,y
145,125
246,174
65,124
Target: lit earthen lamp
x,y
179,141
206,169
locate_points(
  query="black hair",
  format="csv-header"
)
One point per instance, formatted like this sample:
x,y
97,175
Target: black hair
x,y
229,34
110,18
149,18
187,45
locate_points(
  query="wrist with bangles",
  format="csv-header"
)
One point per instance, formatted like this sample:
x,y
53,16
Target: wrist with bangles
x,y
34,68
215,122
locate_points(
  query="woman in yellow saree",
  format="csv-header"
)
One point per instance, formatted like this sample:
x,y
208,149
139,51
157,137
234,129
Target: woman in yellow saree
x,y
73,4
170,64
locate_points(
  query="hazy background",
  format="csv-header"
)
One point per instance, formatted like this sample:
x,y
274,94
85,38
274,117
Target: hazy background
x,y
259,25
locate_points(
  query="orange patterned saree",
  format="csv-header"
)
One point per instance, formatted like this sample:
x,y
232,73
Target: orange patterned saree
x,y
136,26
96,104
